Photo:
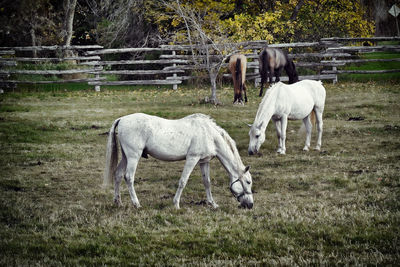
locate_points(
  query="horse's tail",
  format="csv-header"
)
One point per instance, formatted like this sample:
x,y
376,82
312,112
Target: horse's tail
x,y
313,118
264,58
302,129
238,74
111,155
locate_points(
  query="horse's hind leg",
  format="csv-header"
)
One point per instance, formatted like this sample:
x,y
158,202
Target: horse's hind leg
x,y
245,90
318,117
130,177
205,172
308,126
119,173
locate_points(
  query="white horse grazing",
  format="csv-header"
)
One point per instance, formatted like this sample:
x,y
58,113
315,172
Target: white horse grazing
x,y
294,102
196,138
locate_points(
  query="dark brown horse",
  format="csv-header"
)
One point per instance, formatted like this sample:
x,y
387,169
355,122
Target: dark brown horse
x,y
237,67
271,62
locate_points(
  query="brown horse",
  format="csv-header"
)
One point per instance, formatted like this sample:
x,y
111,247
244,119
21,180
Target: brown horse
x,y
271,62
237,67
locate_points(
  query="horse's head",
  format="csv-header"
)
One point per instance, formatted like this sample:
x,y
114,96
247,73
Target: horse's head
x,y
291,72
257,138
241,189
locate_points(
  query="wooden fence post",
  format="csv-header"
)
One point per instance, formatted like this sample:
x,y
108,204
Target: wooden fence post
x,y
334,69
97,87
174,86
256,70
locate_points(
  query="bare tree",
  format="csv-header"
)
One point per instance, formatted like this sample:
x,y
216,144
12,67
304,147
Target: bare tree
x,y
124,22
69,8
209,51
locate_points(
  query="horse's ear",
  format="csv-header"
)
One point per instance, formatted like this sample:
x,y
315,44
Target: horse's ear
x,y
260,125
247,169
249,125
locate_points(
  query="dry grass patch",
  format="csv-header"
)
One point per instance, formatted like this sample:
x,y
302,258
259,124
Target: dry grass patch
x,y
338,206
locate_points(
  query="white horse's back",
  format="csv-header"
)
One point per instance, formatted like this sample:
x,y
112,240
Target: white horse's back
x,y
164,139
304,96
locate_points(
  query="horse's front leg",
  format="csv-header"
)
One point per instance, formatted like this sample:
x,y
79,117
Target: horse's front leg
x,y
270,75
308,126
278,72
205,172
284,121
278,127
187,170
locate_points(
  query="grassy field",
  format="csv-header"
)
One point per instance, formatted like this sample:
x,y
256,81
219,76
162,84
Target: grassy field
x,y
340,206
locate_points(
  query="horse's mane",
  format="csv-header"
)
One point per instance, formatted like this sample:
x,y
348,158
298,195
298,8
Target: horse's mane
x,y
228,139
271,90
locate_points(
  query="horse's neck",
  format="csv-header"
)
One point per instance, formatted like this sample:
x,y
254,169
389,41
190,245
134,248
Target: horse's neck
x,y
228,159
266,110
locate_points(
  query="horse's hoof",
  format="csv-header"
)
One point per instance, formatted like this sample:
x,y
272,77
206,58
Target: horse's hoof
x,y
214,205
305,148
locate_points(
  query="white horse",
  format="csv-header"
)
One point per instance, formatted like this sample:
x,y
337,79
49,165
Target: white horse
x,y
196,138
294,102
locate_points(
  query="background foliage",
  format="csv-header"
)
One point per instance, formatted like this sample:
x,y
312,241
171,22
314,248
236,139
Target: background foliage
x,y
149,22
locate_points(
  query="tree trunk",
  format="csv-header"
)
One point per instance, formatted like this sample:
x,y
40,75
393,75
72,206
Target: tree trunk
x,y
69,24
33,38
69,20
213,80
296,10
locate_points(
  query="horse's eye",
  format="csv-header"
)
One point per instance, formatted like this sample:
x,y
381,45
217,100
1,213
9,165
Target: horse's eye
x,y
248,182
257,136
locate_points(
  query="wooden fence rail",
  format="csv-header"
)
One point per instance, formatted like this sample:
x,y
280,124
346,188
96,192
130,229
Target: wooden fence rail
x,y
173,64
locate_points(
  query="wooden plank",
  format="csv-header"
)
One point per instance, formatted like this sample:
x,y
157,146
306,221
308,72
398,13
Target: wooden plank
x,y
395,48
49,72
245,45
57,81
252,76
123,50
138,82
288,45
135,62
28,59
360,71
8,63
360,60
181,78
53,47
307,77
361,39
137,72
7,52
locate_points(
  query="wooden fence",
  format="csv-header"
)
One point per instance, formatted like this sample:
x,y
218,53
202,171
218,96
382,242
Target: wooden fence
x,y
173,64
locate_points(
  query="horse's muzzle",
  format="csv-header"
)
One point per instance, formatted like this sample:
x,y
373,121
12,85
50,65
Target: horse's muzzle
x,y
246,205
251,152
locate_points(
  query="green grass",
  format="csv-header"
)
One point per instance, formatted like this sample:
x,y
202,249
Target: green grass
x,y
339,206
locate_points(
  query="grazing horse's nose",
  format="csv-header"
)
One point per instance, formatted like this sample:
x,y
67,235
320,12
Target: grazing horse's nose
x,y
249,205
251,152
